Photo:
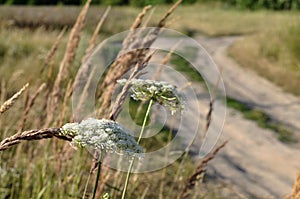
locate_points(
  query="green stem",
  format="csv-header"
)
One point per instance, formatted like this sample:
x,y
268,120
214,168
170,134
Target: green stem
x,y
145,120
140,137
127,178
86,185
98,176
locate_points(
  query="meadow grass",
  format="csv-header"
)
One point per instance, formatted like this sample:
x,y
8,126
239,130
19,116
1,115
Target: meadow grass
x,y
51,168
270,43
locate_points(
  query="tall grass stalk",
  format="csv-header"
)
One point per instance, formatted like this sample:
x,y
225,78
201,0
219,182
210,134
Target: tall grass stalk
x,y
140,137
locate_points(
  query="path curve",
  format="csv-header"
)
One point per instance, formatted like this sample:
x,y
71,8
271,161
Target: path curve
x,y
254,161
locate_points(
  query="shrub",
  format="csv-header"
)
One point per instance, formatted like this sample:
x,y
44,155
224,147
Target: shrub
x,y
114,2
141,3
266,4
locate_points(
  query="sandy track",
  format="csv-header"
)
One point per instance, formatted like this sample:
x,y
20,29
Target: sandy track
x,y
254,161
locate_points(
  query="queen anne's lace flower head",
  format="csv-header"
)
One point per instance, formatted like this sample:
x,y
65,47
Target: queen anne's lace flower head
x,y
101,135
159,91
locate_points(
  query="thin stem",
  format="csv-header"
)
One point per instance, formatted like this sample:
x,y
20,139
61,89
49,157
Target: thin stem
x,y
86,185
127,178
98,176
132,160
145,120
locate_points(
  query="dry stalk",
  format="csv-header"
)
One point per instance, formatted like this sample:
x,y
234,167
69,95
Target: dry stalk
x,y
67,96
296,189
149,18
69,56
85,70
125,61
152,36
122,64
212,101
85,93
53,49
75,36
210,110
95,35
10,102
158,72
32,135
165,61
3,91
207,124
199,171
125,58
136,24
170,11
29,105
121,97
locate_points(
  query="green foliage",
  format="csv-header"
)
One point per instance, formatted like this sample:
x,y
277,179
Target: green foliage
x,y
3,49
137,3
70,2
187,1
266,4
16,2
137,111
141,3
184,66
114,2
293,43
42,2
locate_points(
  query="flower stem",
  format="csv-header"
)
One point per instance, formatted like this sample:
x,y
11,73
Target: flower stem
x,y
98,176
86,185
132,160
145,120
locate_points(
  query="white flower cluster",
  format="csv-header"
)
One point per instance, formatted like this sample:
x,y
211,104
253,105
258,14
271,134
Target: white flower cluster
x,y
101,135
159,91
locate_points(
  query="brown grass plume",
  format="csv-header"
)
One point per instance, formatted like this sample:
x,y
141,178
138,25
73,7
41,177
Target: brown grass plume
x,y
10,102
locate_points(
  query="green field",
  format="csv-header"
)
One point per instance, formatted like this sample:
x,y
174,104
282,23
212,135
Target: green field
x,y
270,43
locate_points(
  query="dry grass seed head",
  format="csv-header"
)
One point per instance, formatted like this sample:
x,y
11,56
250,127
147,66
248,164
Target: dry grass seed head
x,y
200,171
124,62
10,102
296,189
53,50
95,35
69,56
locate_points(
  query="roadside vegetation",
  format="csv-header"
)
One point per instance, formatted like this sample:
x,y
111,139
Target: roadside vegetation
x,y
32,164
52,167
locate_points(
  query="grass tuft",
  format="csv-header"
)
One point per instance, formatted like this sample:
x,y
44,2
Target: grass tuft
x,y
263,120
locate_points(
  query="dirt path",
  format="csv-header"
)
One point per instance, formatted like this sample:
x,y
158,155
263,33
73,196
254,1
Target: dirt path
x,y
254,161
245,85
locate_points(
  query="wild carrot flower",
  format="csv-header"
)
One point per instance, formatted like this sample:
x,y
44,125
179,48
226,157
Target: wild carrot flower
x,y
158,91
101,135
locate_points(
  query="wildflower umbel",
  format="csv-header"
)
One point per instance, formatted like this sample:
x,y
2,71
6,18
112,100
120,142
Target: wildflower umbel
x,y
158,91
101,135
